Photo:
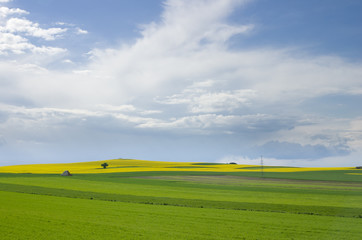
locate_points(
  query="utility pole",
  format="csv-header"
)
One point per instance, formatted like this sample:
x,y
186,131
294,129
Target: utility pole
x,y
262,166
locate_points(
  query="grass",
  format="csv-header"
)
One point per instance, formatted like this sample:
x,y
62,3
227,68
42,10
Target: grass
x,y
45,217
325,210
180,202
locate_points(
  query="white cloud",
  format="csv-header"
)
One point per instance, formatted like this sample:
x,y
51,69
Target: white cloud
x,y
68,61
18,45
14,33
5,11
11,43
222,33
18,25
201,99
221,101
121,108
125,108
194,123
32,119
219,124
61,23
81,31
20,36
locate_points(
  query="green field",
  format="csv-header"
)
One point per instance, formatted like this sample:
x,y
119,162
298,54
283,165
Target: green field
x,y
182,205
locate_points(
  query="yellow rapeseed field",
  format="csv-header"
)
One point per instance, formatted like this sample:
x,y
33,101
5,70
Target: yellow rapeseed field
x,y
130,165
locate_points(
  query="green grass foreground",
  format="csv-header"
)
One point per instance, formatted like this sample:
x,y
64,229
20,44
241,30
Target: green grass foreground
x,y
182,205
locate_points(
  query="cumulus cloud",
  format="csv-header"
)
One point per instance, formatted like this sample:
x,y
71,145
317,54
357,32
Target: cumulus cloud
x,y
5,11
18,37
11,43
177,47
14,33
19,25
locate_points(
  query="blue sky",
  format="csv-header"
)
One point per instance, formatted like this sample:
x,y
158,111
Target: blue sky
x,y
181,80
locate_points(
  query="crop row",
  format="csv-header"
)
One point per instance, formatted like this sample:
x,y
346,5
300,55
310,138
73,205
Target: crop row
x,y
195,203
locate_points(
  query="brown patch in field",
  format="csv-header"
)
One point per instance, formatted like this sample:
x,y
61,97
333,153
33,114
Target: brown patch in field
x,y
250,181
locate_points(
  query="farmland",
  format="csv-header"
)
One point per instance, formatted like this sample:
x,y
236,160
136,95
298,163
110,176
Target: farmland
x,y
155,200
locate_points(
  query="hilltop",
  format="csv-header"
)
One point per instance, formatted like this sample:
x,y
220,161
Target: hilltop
x,y
132,165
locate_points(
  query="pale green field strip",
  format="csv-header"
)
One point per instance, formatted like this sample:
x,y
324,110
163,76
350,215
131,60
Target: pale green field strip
x,y
261,194
284,205
262,182
27,216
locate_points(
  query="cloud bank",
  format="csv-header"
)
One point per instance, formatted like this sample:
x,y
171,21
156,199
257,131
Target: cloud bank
x,y
177,91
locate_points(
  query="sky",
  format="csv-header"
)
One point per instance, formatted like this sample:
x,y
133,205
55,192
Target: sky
x,y
181,80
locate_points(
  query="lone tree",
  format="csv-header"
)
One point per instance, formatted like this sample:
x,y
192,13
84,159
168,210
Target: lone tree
x,y
104,165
